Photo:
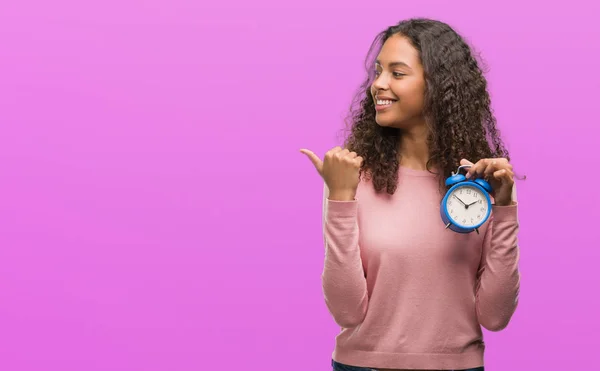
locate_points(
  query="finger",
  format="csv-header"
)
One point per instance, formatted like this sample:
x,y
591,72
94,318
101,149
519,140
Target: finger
x,y
342,153
352,155
504,175
333,151
359,161
490,168
314,159
464,162
477,169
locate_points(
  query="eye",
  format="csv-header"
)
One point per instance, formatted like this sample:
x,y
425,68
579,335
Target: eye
x,y
399,74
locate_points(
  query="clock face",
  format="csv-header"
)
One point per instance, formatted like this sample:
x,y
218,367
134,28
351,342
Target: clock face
x,y
467,206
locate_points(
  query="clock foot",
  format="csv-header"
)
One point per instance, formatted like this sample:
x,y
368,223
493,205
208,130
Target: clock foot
x,y
477,230
448,225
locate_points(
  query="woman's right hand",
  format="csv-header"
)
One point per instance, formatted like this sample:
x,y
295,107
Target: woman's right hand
x,y
340,170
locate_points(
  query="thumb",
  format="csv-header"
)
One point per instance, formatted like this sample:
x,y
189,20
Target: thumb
x,y
465,162
314,159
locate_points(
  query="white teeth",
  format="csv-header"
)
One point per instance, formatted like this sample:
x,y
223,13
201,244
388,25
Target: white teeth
x,y
384,102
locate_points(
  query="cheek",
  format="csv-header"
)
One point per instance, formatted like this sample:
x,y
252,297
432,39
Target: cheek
x,y
413,97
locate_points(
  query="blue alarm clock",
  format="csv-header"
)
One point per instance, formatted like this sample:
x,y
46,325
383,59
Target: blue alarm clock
x,y
467,204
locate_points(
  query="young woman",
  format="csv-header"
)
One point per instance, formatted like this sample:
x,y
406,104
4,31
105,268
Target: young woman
x,y
408,293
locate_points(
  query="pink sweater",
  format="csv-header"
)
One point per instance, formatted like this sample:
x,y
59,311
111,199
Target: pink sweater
x,y
408,293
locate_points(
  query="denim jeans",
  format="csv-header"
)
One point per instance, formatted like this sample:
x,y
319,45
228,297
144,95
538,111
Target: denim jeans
x,y
342,367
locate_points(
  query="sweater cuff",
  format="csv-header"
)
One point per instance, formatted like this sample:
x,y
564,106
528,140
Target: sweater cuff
x,y
341,209
507,213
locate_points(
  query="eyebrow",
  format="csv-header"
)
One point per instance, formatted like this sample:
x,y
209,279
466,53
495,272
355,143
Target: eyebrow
x,y
394,64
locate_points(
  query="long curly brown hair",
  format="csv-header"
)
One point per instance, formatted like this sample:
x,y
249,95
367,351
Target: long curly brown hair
x,y
457,107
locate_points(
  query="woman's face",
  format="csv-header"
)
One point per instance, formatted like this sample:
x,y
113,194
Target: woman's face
x,y
399,87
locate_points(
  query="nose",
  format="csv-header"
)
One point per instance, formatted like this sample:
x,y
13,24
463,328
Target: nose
x,y
380,82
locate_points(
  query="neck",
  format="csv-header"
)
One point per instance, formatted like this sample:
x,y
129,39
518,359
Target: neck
x,y
413,148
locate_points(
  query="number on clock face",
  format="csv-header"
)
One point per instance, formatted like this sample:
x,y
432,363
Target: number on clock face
x,y
467,206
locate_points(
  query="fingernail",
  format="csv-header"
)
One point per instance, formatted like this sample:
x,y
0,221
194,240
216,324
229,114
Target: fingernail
x,y
468,175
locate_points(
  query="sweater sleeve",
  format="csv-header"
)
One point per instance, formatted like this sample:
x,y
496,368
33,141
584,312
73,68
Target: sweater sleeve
x,y
498,276
344,283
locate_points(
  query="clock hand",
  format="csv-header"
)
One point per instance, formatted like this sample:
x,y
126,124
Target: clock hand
x,y
461,201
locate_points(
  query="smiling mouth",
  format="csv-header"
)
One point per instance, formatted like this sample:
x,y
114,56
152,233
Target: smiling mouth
x,y
381,104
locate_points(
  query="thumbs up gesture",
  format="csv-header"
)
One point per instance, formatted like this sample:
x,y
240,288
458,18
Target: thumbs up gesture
x,y
340,170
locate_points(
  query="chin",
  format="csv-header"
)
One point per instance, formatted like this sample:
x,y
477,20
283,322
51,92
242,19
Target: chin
x,y
389,122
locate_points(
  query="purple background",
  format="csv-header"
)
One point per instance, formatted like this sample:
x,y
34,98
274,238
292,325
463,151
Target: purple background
x,y
155,211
